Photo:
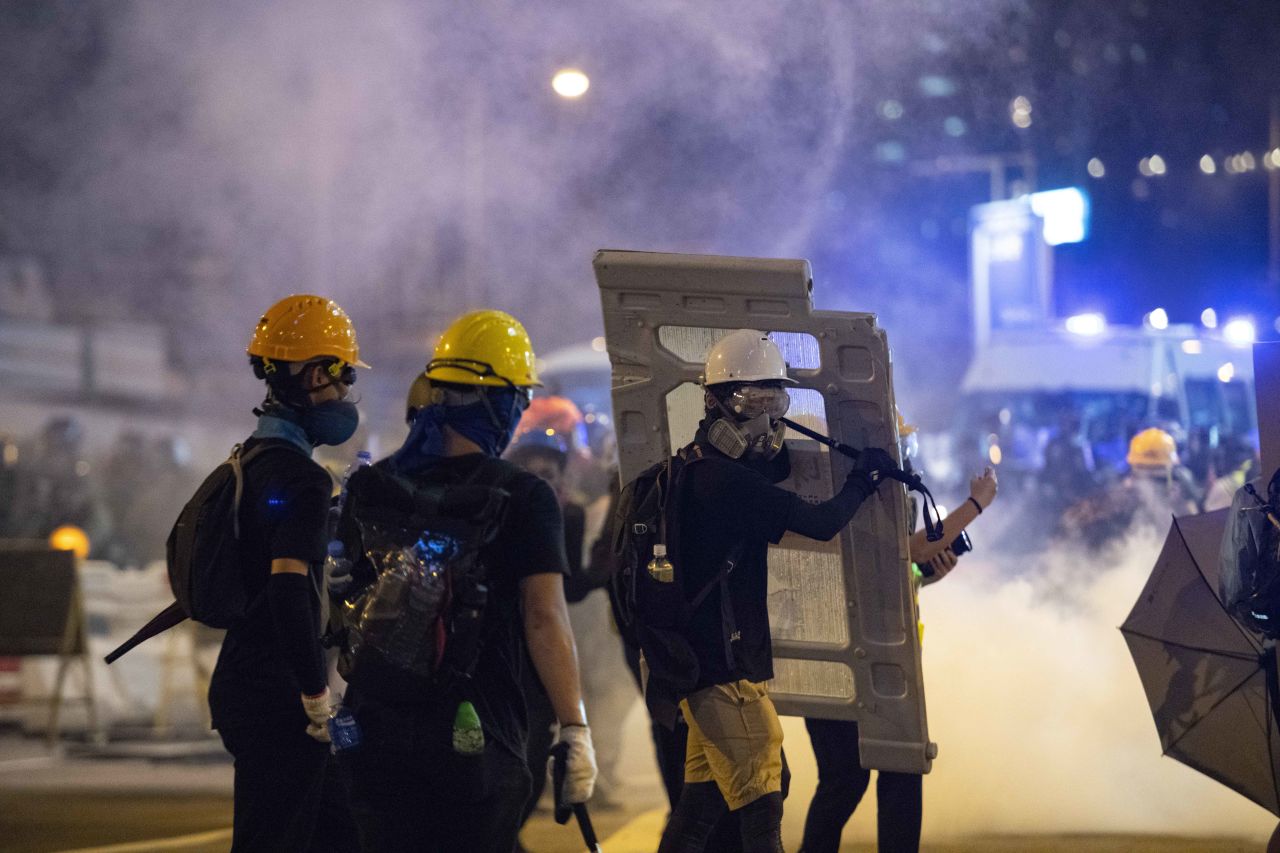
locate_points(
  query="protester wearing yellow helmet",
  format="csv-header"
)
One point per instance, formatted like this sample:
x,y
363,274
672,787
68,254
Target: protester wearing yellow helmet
x,y
1155,487
1152,450
268,696
463,410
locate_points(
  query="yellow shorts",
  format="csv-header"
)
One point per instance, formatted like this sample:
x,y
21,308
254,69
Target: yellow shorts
x,y
735,740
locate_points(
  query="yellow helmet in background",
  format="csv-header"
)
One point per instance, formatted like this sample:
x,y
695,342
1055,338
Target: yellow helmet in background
x,y
484,348
1152,448
303,327
68,537
904,429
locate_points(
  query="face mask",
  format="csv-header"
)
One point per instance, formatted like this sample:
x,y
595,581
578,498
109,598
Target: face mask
x,y
475,422
756,438
331,422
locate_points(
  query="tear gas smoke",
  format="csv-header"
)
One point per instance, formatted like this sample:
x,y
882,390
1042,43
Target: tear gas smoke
x,y
1040,717
411,159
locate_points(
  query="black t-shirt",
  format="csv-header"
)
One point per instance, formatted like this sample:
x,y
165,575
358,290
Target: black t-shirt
x,y
530,541
723,504
283,511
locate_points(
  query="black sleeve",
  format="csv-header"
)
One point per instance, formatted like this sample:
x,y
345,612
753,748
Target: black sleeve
x,y
290,598
824,520
298,508
533,537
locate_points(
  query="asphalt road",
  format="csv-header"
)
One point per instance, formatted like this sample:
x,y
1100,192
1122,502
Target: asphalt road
x,y
45,821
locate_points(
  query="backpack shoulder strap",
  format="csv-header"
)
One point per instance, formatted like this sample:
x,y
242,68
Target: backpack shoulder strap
x,y
729,563
238,459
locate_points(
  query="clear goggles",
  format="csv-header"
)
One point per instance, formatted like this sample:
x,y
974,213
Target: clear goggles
x,y
752,401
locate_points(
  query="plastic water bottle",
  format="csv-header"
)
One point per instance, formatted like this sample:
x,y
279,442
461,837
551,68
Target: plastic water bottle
x,y
426,588
363,458
466,765
344,731
337,566
468,736
660,567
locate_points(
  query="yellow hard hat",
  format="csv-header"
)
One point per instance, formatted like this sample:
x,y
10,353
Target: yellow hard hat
x,y
904,429
1152,448
68,537
303,327
484,348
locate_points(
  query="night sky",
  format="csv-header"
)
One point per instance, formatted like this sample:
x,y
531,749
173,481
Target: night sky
x,y
181,162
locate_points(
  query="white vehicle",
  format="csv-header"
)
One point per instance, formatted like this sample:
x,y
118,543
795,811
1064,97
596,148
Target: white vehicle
x,y
1025,386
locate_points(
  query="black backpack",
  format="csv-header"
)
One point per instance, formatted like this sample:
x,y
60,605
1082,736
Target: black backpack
x,y
651,614
203,552
411,622
1249,583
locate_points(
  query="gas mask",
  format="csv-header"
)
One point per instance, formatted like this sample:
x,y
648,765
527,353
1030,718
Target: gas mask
x,y
750,424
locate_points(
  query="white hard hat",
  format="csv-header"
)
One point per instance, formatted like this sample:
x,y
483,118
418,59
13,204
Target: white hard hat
x,y
746,355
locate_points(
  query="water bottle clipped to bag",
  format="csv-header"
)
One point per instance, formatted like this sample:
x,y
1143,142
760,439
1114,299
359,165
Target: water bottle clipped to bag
x,y
337,564
402,616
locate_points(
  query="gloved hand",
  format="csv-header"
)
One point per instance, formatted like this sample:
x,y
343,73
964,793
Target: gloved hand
x,y
873,463
317,708
580,766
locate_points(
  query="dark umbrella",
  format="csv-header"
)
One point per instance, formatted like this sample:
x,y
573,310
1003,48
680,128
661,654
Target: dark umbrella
x,y
1211,683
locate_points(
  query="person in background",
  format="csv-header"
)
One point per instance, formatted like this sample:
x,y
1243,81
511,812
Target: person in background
x,y
55,487
842,780
1155,487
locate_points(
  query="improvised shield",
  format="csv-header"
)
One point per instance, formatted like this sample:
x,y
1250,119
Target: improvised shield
x,y
842,613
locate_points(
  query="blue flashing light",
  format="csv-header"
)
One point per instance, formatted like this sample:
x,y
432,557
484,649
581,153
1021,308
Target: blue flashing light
x,y
1065,213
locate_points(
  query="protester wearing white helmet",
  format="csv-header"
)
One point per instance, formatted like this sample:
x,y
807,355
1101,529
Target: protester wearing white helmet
x,y
726,509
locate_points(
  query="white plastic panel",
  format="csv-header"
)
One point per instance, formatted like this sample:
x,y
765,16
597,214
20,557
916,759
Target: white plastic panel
x,y
842,612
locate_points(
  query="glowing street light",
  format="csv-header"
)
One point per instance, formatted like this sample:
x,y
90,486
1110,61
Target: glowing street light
x,y
1207,165
1240,332
1088,325
1227,372
1158,319
570,83
1209,318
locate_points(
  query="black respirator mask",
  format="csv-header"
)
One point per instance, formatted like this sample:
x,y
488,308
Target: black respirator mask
x,y
750,425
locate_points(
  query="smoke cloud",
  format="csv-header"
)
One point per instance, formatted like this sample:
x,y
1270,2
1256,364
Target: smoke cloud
x,y
411,159
1040,717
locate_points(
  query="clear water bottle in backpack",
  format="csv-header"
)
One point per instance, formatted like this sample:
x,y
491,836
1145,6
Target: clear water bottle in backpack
x,y
337,563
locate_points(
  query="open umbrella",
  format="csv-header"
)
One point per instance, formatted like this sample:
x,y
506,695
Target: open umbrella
x,y
1211,683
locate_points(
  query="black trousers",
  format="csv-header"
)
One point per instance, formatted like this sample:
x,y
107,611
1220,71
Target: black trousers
x,y
412,800
538,749
841,783
288,793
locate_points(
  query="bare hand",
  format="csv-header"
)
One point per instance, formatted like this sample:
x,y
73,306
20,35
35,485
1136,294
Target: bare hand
x,y
942,563
983,488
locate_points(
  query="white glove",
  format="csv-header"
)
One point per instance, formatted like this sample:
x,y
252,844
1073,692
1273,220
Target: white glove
x,y
580,765
317,708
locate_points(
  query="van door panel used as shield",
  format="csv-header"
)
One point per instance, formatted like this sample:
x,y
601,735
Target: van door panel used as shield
x,y
842,613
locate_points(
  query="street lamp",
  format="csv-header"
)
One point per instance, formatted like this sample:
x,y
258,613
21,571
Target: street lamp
x,y
570,83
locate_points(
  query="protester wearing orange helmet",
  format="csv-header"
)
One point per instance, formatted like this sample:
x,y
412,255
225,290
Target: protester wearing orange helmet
x,y
268,696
